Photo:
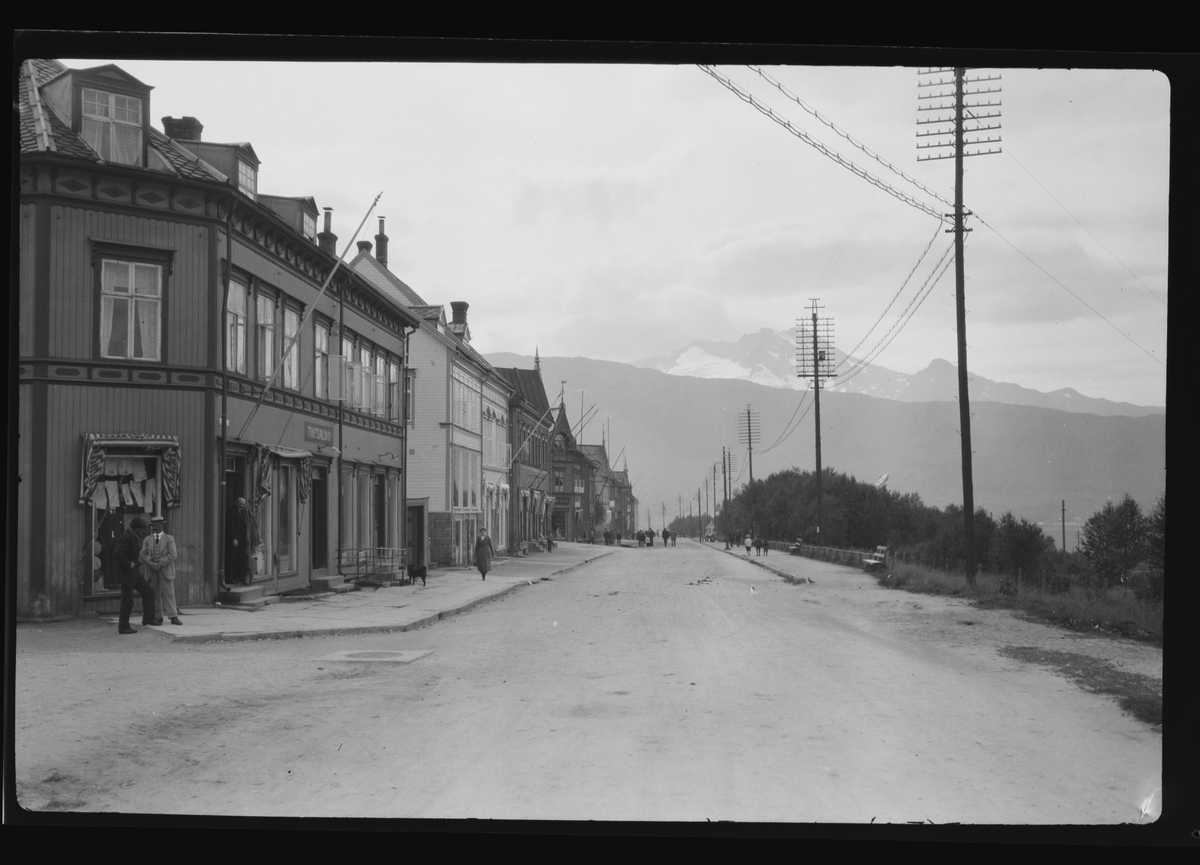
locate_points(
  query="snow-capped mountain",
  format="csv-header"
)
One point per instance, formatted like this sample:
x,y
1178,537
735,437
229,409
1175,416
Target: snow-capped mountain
x,y
768,358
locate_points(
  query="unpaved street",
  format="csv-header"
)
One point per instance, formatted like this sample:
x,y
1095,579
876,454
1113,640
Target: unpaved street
x,y
653,684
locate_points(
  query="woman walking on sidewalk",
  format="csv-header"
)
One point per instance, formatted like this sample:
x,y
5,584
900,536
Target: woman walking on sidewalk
x,y
484,551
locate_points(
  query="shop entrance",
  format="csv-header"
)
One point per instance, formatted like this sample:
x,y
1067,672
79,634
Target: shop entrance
x,y
319,518
414,535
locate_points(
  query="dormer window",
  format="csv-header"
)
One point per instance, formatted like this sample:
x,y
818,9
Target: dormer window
x,y
112,125
308,226
247,178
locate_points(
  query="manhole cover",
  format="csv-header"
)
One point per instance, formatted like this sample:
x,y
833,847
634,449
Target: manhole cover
x,y
404,656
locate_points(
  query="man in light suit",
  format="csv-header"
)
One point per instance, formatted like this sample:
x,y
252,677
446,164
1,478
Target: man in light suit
x,y
158,555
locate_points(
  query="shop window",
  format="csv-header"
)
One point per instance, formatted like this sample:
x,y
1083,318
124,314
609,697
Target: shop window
x,y
131,297
128,485
285,509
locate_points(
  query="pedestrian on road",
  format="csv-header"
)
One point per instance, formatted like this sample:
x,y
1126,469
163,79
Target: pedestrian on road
x,y
650,536
748,541
484,552
127,556
159,555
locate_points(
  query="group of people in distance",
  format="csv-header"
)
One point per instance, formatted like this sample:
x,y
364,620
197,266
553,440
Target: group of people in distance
x,y
645,537
760,545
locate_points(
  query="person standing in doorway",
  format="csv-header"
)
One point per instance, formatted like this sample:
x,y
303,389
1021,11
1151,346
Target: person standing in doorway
x,y
127,558
159,555
239,543
484,553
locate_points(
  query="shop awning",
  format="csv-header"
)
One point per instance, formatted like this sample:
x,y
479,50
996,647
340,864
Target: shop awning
x,y
97,445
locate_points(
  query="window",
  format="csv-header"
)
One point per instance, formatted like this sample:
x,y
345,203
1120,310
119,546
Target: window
x,y
112,125
235,327
308,226
321,360
291,360
366,391
350,371
265,331
393,389
380,407
247,178
410,381
130,310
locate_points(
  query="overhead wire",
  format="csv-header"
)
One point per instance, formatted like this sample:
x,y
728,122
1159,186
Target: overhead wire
x,y
818,146
794,98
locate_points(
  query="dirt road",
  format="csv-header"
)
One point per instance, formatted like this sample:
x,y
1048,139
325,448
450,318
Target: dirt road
x,y
656,684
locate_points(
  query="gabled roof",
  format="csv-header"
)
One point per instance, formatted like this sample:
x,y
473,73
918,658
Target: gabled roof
x,y
43,131
529,386
597,454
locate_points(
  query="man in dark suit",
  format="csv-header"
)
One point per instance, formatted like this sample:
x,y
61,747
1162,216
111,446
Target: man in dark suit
x,y
239,535
127,557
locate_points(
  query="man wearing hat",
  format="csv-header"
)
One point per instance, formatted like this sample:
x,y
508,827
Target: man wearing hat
x,y
127,556
159,555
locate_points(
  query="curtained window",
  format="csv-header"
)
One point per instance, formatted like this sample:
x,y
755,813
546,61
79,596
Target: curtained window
x,y
235,326
112,125
130,310
265,333
291,361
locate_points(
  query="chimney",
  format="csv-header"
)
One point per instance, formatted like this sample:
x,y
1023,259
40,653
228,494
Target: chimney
x,y
182,128
364,246
381,245
327,240
459,313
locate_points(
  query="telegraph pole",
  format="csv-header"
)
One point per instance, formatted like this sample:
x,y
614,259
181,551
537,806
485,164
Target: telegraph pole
x,y
1064,525
813,361
699,516
714,489
748,434
976,116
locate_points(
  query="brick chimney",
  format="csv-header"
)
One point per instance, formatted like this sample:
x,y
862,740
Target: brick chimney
x,y
381,241
182,128
327,240
364,246
459,311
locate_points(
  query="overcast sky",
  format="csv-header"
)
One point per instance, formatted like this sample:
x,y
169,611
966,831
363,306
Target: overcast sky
x,y
622,211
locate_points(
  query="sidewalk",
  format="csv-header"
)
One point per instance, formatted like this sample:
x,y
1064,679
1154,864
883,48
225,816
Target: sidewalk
x,y
388,608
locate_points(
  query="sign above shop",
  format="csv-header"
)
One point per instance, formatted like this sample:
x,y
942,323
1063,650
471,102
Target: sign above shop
x,y
314,432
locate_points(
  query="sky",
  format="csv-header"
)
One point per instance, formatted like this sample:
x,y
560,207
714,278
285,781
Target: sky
x,y
622,211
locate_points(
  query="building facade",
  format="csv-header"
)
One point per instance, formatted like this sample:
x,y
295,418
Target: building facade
x,y
175,353
571,484
531,424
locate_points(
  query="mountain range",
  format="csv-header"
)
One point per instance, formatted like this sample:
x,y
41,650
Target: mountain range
x,y
768,358
669,430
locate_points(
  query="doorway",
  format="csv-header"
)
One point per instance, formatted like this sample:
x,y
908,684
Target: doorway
x,y
414,535
319,515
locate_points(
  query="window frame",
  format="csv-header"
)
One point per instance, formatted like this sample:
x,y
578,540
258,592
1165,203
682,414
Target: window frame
x,y
243,166
291,359
112,93
321,359
244,283
165,260
261,293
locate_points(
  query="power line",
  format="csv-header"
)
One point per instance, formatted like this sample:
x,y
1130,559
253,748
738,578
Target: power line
x,y
900,290
807,139
1063,286
847,136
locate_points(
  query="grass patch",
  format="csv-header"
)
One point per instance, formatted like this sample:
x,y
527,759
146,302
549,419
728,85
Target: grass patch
x,y
1117,611
1140,696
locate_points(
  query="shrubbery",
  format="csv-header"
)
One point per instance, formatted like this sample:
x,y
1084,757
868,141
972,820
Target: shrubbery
x,y
1119,546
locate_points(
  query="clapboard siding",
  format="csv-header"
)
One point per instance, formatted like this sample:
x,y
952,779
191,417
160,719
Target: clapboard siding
x,y
26,279
24,502
77,410
73,291
428,458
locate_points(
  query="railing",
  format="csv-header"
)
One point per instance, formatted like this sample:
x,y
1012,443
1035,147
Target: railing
x,y
385,564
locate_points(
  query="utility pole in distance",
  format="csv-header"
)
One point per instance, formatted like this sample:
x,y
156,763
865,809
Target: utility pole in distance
x,y
814,359
749,432
1064,525
978,113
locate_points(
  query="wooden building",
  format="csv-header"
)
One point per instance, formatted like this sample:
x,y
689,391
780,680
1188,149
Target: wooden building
x,y
531,423
158,295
